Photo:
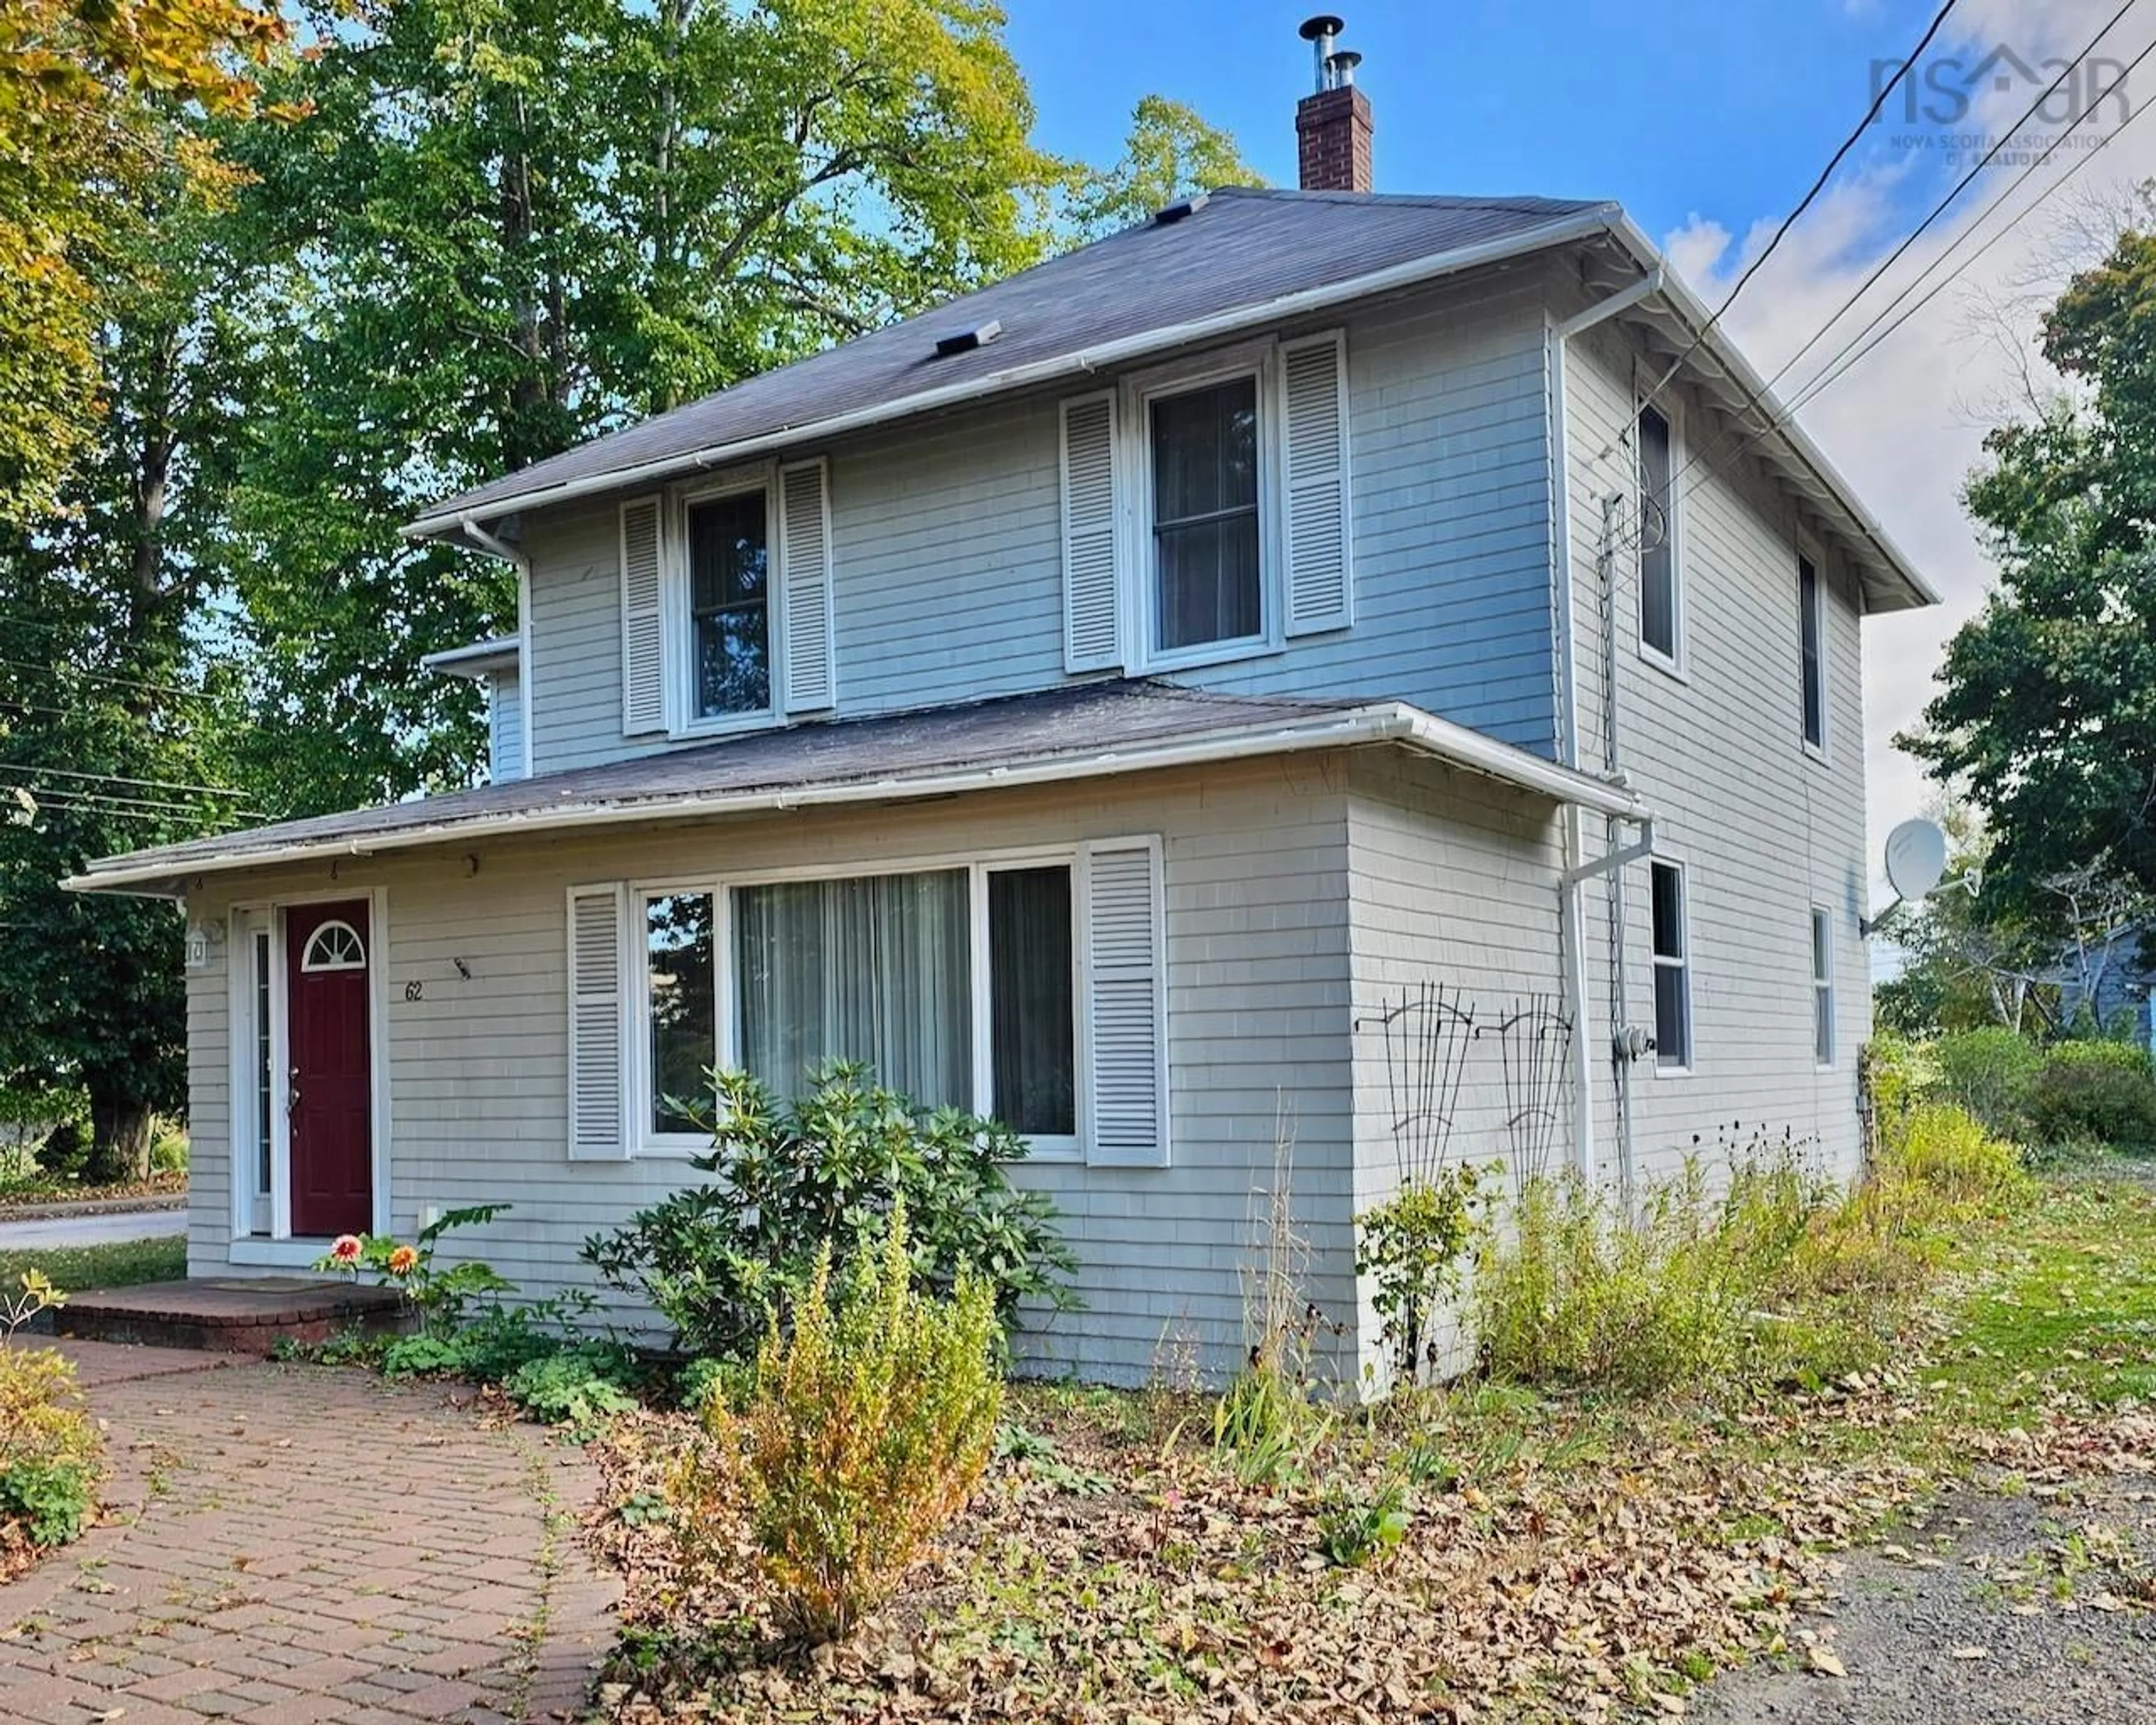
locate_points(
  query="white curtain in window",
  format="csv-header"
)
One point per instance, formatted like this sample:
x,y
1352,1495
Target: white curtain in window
x,y
876,968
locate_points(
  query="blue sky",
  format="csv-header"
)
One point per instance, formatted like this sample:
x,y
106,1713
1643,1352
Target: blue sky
x,y
1473,96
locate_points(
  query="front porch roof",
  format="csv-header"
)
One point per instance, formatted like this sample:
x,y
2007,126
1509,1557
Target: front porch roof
x,y
1095,730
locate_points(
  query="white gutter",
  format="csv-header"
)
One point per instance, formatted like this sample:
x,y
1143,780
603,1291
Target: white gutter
x,y
1572,914
522,564
1599,219
1384,723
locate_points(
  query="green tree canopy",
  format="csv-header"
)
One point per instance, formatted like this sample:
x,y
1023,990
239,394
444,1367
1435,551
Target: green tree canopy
x,y
2047,718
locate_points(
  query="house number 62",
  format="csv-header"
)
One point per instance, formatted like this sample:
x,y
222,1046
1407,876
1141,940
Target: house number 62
x,y
415,991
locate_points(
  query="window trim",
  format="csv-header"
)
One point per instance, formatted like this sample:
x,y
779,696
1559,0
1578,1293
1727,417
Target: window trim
x,y
677,598
978,865
1808,554
1678,664
1682,964
1258,361
1822,978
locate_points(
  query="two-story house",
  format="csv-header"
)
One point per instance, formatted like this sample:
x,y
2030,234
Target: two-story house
x,y
1376,667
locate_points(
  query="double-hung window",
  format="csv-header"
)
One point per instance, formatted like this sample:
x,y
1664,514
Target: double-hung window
x,y
1672,954
729,605
1811,628
1207,583
957,985
1661,594
1823,987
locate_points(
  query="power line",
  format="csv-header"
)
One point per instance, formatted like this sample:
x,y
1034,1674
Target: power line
x,y
1819,185
147,784
106,677
1849,354
1845,359
1960,186
71,793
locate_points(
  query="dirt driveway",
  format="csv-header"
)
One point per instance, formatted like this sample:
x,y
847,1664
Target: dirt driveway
x,y
2029,1606
287,1544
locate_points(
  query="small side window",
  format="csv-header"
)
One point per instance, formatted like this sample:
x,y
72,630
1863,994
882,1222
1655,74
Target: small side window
x,y
1659,595
1672,969
1823,987
1811,622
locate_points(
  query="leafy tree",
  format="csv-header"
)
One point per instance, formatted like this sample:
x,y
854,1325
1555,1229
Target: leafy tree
x,y
505,225
109,729
2046,718
86,90
1170,152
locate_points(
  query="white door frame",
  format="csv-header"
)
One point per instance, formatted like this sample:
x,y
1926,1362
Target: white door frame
x,y
279,1248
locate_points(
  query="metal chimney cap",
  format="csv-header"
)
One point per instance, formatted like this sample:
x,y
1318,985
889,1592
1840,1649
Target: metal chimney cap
x,y
1342,65
1324,24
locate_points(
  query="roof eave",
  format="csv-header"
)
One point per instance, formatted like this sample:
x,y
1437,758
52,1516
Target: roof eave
x,y
1394,723
1915,591
450,516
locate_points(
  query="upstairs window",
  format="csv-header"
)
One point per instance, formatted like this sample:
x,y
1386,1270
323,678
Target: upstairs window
x,y
1205,525
729,605
1672,950
1811,623
1659,596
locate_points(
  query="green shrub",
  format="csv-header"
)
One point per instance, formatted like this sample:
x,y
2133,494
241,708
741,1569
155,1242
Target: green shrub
x,y
581,1386
2100,1051
1265,1424
1414,1247
441,1298
1953,1159
1992,1073
869,1427
2083,1095
792,1179
49,1448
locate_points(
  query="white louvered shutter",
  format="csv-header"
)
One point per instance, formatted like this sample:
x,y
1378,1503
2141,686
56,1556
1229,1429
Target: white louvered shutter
x,y
1092,639
1125,1005
1321,587
597,1130
643,631
804,580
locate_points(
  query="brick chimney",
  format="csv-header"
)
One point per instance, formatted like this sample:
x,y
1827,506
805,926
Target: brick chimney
x,y
1332,125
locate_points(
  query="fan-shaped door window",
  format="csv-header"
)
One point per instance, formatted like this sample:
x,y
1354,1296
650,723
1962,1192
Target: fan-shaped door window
x,y
335,946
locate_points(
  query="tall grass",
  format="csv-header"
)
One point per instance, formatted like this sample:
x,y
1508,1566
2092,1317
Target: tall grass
x,y
1775,1275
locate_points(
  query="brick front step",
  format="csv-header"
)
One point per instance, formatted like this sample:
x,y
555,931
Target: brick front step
x,y
239,1315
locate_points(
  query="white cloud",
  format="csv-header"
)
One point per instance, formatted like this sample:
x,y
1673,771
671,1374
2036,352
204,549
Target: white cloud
x,y
1903,426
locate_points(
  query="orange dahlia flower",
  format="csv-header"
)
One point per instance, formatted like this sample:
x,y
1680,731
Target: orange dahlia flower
x,y
403,1261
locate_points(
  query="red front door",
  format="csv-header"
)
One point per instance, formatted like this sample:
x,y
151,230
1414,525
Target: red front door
x,y
328,949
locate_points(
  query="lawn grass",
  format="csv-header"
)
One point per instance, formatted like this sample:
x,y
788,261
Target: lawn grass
x,y
115,1264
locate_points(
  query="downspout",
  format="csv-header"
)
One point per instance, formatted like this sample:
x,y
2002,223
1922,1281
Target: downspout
x,y
1571,891
517,561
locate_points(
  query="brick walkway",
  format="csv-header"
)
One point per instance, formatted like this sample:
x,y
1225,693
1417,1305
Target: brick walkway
x,y
287,1544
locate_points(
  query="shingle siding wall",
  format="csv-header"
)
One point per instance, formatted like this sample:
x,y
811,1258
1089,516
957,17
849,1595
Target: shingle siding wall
x,y
1765,830
1259,1010
1451,885
946,548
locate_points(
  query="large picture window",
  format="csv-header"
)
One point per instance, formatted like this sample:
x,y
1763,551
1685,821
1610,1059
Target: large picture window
x,y
729,605
957,985
1205,523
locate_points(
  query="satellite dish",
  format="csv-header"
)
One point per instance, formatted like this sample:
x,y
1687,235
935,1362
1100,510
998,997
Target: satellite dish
x,y
1916,859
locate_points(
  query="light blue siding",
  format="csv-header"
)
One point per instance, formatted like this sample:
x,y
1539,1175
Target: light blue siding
x,y
947,551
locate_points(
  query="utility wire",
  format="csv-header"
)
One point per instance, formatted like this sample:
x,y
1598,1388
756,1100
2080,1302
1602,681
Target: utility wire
x,y
71,793
146,784
107,677
1819,185
1840,365
1850,353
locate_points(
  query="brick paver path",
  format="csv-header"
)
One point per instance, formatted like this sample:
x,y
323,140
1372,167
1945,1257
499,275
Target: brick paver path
x,y
288,1544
